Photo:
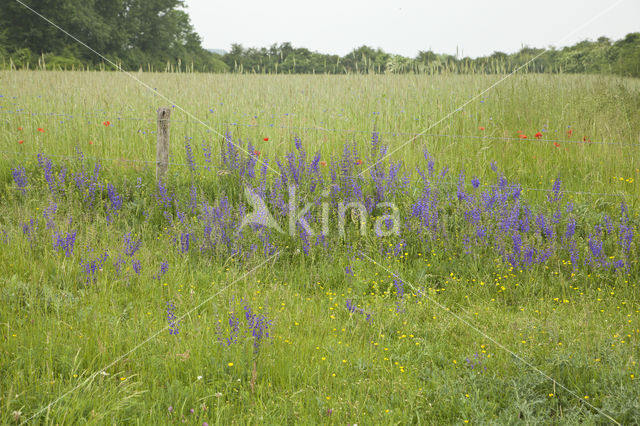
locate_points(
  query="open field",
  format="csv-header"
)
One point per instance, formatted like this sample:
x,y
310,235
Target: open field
x,y
509,292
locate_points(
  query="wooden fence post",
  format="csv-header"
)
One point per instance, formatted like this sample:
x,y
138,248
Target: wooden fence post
x,y
162,150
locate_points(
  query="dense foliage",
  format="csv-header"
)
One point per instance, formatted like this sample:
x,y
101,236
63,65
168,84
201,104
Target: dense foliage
x,y
602,56
149,34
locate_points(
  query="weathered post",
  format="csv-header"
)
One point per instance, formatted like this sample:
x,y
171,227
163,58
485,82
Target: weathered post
x,y
162,151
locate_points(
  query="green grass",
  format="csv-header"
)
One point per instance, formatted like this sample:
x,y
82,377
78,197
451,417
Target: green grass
x,y
321,363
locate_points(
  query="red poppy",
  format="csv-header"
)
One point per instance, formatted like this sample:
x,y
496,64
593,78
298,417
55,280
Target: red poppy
x,y
557,144
90,142
538,135
523,136
323,163
106,123
569,132
359,162
20,142
266,139
586,139
40,129
481,128
256,153
19,129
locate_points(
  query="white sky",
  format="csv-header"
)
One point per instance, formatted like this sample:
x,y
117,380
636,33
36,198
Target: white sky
x,y
404,27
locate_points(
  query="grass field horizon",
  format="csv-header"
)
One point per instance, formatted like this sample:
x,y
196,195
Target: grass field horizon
x,y
509,293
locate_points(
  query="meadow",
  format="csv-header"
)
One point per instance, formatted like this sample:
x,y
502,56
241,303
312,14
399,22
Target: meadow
x,y
509,292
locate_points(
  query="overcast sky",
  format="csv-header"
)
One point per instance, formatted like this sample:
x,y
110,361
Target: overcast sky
x,y
405,27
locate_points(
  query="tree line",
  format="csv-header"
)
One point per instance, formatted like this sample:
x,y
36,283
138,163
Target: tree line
x,y
620,57
149,34
157,35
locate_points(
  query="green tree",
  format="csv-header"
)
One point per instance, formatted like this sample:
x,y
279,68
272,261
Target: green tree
x,y
136,33
626,55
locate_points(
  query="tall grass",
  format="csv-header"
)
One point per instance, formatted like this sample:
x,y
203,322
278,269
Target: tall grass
x,y
348,342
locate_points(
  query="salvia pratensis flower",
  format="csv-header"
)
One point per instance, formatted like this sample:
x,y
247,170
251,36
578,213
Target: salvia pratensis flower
x,y
48,214
66,243
557,194
20,178
137,266
353,308
114,198
258,325
131,246
571,229
47,168
92,267
189,154
164,267
206,151
174,323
